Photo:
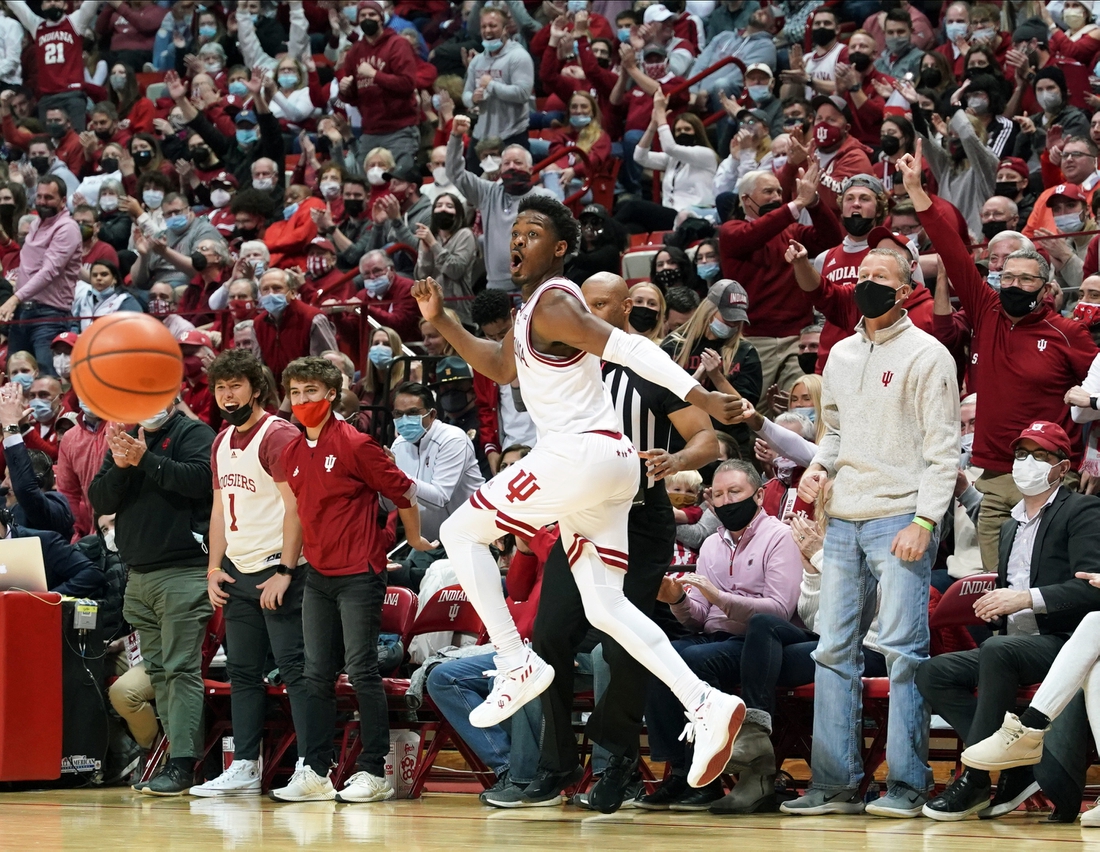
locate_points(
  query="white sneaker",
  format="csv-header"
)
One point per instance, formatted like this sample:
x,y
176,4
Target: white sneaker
x,y
305,786
1091,817
1010,745
242,778
512,689
713,727
364,787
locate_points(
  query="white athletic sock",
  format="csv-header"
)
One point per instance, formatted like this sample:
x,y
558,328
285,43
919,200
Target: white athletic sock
x,y
465,535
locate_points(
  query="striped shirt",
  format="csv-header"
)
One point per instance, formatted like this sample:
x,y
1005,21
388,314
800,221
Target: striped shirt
x,y
643,409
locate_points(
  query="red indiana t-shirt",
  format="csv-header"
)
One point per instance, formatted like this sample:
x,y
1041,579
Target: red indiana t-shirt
x,y
59,52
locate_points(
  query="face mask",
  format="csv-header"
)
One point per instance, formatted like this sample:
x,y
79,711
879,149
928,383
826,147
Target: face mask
x,y
580,121
778,163
118,82
439,175
453,402
655,70
955,30
1031,476
242,310
263,184
42,410
53,14
25,380
809,413
353,207
108,203
45,212
759,94
624,34
1068,223
330,189
516,182
109,541
377,286
490,165
152,424
826,135
192,366
290,210
273,303
861,61
1018,302
143,158
1087,313
822,36
784,470
200,155
720,330
246,137
993,279
873,299
176,224
991,229
575,6
667,278
288,81
41,164
410,427
707,271
318,266
492,45
208,31
930,78
898,45
737,515
238,416
109,164
105,136
890,145
682,501
1074,18
312,414
153,198
160,307
61,364
238,88
56,129
352,13
1049,101
956,150
807,362
979,105
380,355
966,445
374,176
219,198
1006,188
87,232
685,139
986,33
642,319
857,225
371,27
443,221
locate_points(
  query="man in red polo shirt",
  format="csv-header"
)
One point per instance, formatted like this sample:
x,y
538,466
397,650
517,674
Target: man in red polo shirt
x,y
337,475
287,328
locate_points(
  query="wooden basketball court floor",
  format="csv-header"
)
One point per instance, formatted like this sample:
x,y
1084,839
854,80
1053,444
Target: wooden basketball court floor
x,y
119,819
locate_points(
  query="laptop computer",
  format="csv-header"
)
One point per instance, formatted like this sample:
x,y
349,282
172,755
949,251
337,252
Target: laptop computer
x,y
21,565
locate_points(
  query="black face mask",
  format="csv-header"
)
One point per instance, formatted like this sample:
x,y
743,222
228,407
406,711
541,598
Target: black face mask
x,y
199,261
53,14
353,207
765,209
143,158
930,78
370,27
991,229
958,153
666,278
45,212
736,516
238,416
200,154
858,226
873,300
516,182
1018,302
56,129
822,36
604,63
807,361
1006,188
247,233
890,145
453,401
685,139
105,136
442,221
41,165
109,164
860,61
642,319
7,211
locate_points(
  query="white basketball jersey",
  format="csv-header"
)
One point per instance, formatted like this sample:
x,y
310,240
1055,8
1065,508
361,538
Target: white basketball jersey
x,y
561,394
251,503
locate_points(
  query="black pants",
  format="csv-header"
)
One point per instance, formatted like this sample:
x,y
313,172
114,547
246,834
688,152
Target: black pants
x,y
249,630
560,626
353,603
996,670
641,217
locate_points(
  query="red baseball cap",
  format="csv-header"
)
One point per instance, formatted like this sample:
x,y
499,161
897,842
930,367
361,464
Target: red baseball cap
x,y
66,337
1016,164
1049,436
880,233
322,244
1067,190
195,338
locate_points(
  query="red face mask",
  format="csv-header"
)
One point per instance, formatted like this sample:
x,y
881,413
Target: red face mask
x,y
312,414
241,311
192,366
1086,313
317,266
826,135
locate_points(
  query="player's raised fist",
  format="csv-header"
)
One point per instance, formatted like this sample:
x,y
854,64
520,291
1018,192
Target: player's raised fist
x,y
460,126
429,296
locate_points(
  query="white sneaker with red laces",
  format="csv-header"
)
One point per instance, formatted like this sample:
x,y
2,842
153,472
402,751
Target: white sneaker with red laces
x,y
512,689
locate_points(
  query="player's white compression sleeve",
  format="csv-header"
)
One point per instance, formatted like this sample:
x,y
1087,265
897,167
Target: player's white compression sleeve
x,y
649,361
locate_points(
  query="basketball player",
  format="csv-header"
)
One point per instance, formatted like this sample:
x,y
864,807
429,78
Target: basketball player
x,y
255,568
583,473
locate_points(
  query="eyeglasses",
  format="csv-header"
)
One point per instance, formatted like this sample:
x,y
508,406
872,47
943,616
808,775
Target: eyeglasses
x,y
1076,155
1011,278
1038,455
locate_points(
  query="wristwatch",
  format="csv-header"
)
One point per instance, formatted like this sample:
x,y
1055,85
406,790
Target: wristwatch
x,y
13,429
1092,402
284,569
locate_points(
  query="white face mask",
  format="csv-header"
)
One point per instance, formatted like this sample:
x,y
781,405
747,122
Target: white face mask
x,y
490,165
374,176
439,175
1031,476
154,423
219,198
968,443
263,184
330,189
109,541
61,362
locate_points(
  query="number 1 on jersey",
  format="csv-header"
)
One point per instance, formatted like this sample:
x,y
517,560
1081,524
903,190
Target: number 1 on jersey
x,y
232,514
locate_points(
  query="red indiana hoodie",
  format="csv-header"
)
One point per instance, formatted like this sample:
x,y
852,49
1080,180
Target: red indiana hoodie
x,y
387,103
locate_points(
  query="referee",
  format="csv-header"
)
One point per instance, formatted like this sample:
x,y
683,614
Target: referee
x,y
648,414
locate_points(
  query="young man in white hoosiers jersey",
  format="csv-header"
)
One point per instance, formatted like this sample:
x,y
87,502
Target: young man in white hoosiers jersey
x,y
255,558
582,473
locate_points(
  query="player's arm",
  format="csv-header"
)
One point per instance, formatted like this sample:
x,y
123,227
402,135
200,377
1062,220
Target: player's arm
x,y
559,317
495,360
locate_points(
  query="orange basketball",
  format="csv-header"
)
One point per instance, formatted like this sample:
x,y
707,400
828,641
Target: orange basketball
x,y
126,367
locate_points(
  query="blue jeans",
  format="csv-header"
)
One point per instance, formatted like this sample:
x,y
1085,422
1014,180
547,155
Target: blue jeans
x,y
858,568
630,174
164,51
36,337
457,687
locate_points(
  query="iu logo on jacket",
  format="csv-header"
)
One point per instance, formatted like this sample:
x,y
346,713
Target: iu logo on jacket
x,y
887,377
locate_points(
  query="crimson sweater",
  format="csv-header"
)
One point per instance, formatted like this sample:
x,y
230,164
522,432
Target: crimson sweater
x,y
337,483
752,254
1022,370
851,158
289,339
388,102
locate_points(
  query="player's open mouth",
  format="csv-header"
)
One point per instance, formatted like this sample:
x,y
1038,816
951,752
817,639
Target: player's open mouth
x,y
232,406
517,261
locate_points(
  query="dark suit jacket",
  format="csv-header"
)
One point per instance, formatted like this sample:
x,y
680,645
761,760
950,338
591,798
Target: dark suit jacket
x,y
1068,541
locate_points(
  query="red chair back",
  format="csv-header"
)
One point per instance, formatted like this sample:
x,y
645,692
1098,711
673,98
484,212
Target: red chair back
x,y
399,612
956,607
448,610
